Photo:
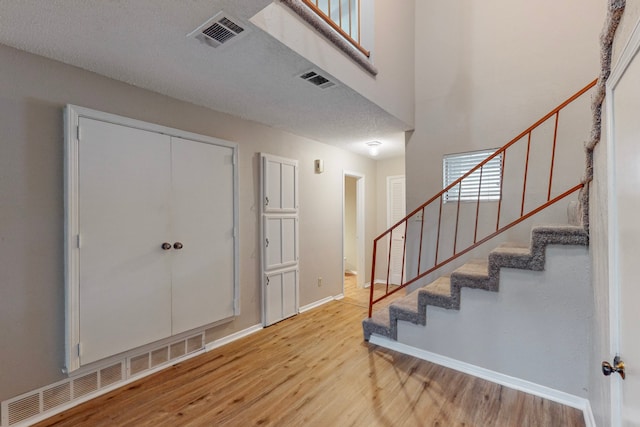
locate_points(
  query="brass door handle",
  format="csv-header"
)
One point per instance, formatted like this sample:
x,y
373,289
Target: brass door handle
x,y
166,246
618,366
177,245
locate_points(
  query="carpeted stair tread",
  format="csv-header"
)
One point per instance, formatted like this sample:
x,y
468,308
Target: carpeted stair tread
x,y
510,248
408,302
477,273
473,268
554,234
441,286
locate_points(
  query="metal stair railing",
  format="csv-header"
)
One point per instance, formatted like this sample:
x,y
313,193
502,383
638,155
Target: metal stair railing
x,y
435,204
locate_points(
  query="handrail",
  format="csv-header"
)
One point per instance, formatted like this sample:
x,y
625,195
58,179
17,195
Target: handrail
x,y
337,26
458,182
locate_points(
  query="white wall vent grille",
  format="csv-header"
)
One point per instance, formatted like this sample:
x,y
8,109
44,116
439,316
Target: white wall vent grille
x,y
56,396
23,408
111,375
85,384
317,79
47,401
159,356
218,30
138,364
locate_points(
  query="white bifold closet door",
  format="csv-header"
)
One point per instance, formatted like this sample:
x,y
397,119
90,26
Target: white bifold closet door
x,y
137,190
202,215
279,211
125,276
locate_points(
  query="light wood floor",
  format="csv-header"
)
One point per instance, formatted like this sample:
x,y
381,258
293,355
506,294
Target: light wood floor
x,y
360,296
314,370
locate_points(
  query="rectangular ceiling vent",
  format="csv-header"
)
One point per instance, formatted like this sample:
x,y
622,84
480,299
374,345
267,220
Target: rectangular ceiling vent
x,y
317,79
218,30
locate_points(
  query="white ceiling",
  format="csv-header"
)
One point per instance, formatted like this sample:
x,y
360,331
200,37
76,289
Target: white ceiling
x,y
144,43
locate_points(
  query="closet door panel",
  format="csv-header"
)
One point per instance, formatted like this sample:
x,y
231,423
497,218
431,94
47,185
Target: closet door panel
x,y
273,242
289,293
288,187
124,274
272,187
289,240
202,212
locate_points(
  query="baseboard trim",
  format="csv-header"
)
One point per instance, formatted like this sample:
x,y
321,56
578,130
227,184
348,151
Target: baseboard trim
x,y
375,281
319,303
492,376
233,337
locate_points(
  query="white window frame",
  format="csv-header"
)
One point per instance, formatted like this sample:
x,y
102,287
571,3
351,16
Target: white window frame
x,y
456,165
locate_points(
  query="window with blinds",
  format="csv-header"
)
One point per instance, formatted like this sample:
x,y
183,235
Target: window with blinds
x,y
471,188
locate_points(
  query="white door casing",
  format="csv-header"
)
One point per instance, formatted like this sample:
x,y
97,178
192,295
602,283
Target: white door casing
x,y
360,225
396,209
279,238
623,109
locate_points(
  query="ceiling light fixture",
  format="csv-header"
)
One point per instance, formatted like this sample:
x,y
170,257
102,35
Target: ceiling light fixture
x,y
374,147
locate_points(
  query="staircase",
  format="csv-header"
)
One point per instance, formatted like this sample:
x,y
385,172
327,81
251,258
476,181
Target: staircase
x,y
448,227
476,274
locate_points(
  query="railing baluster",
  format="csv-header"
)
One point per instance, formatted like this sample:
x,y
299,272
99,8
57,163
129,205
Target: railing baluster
x,y
421,238
553,155
439,224
389,261
373,275
504,161
404,251
475,232
526,169
455,235
350,22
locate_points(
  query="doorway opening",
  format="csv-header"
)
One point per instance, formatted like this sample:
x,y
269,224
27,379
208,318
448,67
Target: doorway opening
x,y
353,264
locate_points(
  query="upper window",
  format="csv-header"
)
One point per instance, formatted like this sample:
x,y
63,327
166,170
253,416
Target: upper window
x,y
483,184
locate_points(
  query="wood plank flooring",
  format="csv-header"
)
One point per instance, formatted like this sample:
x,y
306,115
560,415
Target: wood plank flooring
x,y
360,296
314,370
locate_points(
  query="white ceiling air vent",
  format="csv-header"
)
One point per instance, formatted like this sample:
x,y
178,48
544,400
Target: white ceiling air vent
x,y
317,79
218,30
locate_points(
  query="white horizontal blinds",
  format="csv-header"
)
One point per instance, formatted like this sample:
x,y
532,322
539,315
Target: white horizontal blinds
x,y
456,165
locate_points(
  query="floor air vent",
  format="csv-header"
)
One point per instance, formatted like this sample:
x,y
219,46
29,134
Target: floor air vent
x,y
218,30
317,79
54,398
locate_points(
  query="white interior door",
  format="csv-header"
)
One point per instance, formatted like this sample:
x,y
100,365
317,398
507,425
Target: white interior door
x,y
279,210
624,131
202,212
124,274
395,212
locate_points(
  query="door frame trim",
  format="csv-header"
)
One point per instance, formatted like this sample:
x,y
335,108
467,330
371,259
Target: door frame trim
x,y
629,52
72,136
360,225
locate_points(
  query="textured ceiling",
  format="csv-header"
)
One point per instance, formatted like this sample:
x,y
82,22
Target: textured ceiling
x,y
144,43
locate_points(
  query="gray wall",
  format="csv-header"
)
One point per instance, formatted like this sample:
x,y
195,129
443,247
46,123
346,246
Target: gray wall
x,y
535,328
33,92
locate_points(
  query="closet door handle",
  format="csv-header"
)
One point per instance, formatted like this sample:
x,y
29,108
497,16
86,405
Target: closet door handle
x,y
177,245
166,246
